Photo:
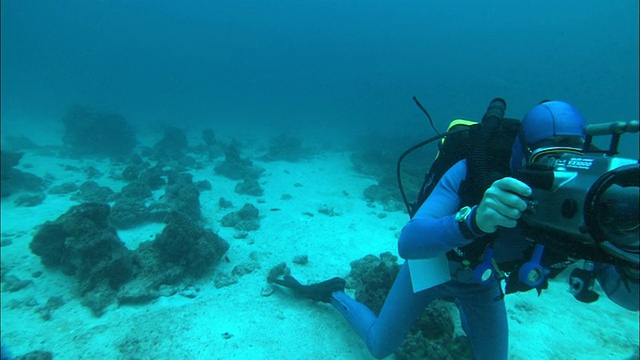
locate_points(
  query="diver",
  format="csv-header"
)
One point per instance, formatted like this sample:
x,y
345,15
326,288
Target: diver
x,y
443,226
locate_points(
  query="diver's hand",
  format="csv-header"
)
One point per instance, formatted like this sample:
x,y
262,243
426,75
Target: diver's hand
x,y
502,205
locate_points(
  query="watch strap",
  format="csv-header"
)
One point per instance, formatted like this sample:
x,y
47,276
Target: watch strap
x,y
468,227
465,230
473,224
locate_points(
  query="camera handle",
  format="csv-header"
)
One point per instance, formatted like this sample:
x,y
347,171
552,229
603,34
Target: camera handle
x,y
532,273
581,283
615,129
484,271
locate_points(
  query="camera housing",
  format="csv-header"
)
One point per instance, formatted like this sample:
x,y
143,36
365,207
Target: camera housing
x,y
585,203
591,203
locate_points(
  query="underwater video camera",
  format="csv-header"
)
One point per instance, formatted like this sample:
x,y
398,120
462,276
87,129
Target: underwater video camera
x,y
585,201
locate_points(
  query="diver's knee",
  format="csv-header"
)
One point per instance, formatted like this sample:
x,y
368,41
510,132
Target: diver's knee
x,y
380,353
363,321
378,348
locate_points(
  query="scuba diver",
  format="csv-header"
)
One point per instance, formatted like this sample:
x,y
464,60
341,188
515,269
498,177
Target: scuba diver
x,y
466,242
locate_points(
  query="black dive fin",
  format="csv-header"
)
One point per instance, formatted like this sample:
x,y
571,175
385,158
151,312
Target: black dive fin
x,y
319,292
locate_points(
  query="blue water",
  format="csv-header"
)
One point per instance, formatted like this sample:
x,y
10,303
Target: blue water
x,y
334,67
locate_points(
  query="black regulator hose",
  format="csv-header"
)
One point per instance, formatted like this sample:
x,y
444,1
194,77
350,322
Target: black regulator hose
x,y
479,159
407,152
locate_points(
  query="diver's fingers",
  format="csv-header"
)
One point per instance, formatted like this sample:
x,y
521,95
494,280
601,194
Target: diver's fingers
x,y
515,186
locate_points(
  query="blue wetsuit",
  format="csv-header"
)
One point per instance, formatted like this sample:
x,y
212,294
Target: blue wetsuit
x,y
434,231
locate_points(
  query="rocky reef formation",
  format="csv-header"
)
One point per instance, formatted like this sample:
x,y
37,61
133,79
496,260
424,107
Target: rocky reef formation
x,y
89,131
82,243
14,180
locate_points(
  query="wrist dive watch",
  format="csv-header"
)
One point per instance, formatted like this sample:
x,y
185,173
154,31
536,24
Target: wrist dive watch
x,y
465,223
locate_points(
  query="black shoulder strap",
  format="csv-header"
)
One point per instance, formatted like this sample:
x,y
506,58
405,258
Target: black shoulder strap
x,y
495,159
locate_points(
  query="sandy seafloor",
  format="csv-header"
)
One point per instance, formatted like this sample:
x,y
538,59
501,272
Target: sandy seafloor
x,y
236,322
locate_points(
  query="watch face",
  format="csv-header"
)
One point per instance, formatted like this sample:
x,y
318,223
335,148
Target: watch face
x,y
462,214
